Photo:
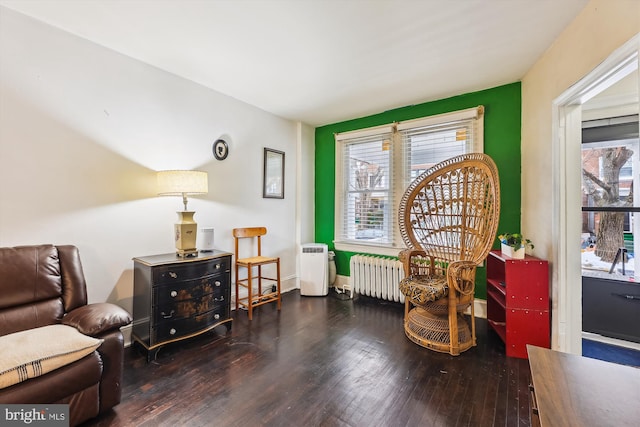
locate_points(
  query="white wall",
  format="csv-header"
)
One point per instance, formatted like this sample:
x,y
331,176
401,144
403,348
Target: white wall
x,y
602,27
306,183
306,189
82,130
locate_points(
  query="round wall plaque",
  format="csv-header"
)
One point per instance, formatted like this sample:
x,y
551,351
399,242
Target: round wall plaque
x,y
220,149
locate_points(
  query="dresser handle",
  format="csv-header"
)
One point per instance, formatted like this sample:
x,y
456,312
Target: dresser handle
x,y
219,299
172,331
174,294
168,316
216,316
173,275
217,283
218,266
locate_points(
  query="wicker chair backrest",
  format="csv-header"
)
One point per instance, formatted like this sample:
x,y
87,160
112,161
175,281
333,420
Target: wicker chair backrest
x,y
452,210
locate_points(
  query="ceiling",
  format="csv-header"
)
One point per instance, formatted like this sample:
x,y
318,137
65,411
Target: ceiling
x,y
322,61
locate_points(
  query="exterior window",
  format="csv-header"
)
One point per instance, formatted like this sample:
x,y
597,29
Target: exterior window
x,y
367,191
374,166
610,207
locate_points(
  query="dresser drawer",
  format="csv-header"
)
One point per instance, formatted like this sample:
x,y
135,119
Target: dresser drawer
x,y
189,271
188,290
178,328
188,308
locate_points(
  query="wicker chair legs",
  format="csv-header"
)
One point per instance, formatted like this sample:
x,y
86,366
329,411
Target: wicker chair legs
x,y
432,331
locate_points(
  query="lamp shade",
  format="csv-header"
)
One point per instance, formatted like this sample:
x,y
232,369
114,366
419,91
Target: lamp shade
x,y
180,183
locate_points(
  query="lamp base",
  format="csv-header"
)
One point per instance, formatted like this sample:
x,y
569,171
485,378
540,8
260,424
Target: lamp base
x,y
185,234
186,254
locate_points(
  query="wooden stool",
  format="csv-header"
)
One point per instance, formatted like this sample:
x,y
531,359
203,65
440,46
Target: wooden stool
x,y
254,264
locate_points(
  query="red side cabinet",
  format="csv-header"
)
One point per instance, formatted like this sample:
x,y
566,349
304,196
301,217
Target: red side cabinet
x,y
518,302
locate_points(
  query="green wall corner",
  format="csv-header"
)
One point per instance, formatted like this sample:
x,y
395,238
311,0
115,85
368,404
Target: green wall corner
x,y
502,134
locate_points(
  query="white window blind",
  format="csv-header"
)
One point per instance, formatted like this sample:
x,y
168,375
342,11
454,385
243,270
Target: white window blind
x,y
426,145
365,210
374,166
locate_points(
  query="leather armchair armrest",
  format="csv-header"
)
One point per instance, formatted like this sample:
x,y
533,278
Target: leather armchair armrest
x,y
98,318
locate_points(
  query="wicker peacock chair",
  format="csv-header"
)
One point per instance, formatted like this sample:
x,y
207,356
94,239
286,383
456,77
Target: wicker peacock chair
x,y
448,221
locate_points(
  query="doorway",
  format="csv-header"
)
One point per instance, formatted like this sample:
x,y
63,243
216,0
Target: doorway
x,y
590,97
610,236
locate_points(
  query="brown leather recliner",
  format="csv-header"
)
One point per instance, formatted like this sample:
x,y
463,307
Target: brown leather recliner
x,y
45,285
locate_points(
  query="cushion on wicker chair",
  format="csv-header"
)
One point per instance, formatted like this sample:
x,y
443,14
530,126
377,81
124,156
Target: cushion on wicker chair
x,y
422,289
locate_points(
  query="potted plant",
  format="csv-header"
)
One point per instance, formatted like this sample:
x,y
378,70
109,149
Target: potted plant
x,y
514,245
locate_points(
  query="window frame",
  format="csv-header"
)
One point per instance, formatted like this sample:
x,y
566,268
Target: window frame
x,y
398,172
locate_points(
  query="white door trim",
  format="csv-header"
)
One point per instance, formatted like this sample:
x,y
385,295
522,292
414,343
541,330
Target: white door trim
x,y
566,312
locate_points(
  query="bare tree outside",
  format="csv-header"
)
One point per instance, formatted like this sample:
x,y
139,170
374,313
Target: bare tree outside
x,y
368,177
604,190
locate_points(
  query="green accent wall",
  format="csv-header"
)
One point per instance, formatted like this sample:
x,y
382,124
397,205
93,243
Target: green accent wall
x,y
502,115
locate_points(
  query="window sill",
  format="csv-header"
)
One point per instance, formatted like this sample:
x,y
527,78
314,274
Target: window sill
x,y
371,248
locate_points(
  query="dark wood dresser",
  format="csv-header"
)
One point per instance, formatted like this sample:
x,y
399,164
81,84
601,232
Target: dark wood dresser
x,y
178,298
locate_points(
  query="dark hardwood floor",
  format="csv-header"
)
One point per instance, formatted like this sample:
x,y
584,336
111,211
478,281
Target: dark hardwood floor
x,y
322,361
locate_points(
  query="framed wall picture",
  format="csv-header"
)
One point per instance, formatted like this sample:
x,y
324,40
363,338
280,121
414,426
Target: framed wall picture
x,y
273,177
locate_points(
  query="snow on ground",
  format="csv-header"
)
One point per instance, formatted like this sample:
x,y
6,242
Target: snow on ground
x,y
593,263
